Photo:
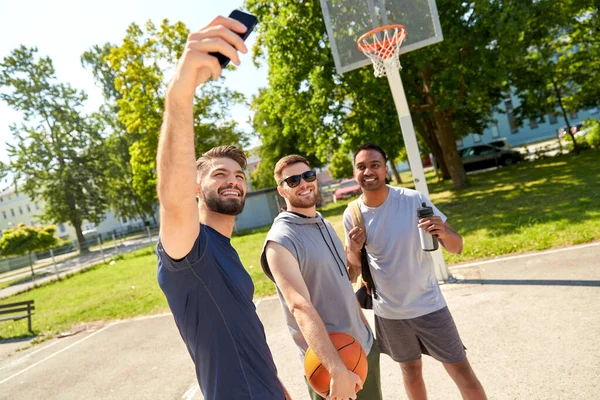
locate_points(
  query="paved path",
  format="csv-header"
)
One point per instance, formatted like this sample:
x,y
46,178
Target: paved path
x,y
48,273
530,324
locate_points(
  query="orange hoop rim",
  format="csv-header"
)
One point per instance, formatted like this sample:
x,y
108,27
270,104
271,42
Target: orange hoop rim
x,y
379,46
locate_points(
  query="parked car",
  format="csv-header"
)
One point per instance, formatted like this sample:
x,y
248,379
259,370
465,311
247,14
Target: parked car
x,y
347,189
501,143
486,156
91,236
575,129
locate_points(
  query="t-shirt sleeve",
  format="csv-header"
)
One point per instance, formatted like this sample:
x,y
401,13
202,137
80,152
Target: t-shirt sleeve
x,y
347,219
195,254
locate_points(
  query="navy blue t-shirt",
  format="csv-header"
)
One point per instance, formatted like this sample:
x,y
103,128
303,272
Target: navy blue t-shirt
x,y
210,295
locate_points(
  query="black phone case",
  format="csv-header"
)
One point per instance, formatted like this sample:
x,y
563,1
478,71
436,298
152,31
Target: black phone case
x,y
249,21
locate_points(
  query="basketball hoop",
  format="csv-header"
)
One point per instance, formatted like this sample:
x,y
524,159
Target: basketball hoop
x,y
384,51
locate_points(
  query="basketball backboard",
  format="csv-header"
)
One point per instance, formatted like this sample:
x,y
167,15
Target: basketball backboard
x,y
347,20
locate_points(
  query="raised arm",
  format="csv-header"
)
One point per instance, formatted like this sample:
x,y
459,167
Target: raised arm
x,y
176,157
355,239
286,272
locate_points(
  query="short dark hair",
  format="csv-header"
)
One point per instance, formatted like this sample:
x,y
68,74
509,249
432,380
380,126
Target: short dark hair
x,y
370,146
230,152
286,162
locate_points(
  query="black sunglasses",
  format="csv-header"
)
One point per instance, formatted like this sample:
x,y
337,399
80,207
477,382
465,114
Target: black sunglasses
x,y
294,180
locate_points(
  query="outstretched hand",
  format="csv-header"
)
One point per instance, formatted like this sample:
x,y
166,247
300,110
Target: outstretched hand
x,y
196,65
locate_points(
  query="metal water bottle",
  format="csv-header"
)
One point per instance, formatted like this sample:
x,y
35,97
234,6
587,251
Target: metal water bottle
x,y
429,242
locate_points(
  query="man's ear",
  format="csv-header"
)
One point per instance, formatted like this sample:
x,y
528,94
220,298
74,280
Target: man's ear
x,y
281,191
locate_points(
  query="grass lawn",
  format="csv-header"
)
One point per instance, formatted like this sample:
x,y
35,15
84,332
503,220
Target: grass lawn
x,y
106,292
529,206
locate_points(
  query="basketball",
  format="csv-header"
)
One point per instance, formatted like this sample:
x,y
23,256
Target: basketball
x,y
352,355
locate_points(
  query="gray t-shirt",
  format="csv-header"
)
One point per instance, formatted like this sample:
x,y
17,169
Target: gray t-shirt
x,y
322,261
403,273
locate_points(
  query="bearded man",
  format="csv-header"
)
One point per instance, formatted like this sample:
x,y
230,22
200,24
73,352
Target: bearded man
x,y
305,258
208,290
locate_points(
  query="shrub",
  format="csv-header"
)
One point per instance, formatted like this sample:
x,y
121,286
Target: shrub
x,y
593,136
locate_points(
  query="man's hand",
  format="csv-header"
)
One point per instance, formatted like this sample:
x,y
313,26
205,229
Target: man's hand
x,y
447,236
356,239
343,385
196,66
435,226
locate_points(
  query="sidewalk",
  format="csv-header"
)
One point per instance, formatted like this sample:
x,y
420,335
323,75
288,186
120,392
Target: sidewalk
x,y
530,324
69,266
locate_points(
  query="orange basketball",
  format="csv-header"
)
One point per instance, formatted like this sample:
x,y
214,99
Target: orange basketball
x,y
351,353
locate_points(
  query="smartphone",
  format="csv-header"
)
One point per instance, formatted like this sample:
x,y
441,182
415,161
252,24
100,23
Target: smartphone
x,y
247,19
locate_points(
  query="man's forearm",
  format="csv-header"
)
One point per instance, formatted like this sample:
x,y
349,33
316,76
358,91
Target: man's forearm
x,y
452,241
354,264
316,336
362,315
176,159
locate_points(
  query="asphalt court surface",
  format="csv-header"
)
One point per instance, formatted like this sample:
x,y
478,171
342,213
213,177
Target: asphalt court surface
x,y
530,324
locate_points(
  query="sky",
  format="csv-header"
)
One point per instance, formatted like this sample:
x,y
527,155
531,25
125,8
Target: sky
x,y
65,29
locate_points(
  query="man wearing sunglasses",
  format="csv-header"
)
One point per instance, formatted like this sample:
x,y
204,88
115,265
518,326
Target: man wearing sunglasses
x,y
305,258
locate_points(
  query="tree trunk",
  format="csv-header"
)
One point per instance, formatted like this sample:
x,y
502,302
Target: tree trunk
x,y
83,245
564,113
31,266
395,172
451,157
446,139
434,145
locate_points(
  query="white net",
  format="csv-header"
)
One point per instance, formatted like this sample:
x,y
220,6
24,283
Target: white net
x,y
383,48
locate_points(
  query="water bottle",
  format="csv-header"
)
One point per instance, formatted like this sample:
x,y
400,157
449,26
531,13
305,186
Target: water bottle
x,y
429,242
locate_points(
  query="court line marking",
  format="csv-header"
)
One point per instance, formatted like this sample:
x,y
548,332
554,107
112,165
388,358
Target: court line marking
x,y
536,254
18,360
72,345
57,353
191,392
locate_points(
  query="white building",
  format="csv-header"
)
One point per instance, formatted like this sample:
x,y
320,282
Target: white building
x,y
17,207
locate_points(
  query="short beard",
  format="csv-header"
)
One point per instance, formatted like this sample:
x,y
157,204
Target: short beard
x,y
233,206
296,201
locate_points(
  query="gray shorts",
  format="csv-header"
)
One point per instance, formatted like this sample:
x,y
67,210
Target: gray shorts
x,y
434,334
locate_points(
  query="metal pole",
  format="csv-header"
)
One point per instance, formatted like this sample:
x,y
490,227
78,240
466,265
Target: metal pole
x,y
101,251
149,233
414,157
115,244
54,263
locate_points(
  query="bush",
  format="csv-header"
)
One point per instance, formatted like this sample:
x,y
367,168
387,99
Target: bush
x,y
568,143
593,136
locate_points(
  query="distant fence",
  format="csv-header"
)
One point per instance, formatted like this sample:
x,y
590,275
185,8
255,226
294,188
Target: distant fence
x,y
8,264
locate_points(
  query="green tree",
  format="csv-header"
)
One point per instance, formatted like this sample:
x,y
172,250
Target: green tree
x,y
456,83
23,239
138,69
558,63
307,103
122,198
340,165
582,53
274,143
3,170
58,154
